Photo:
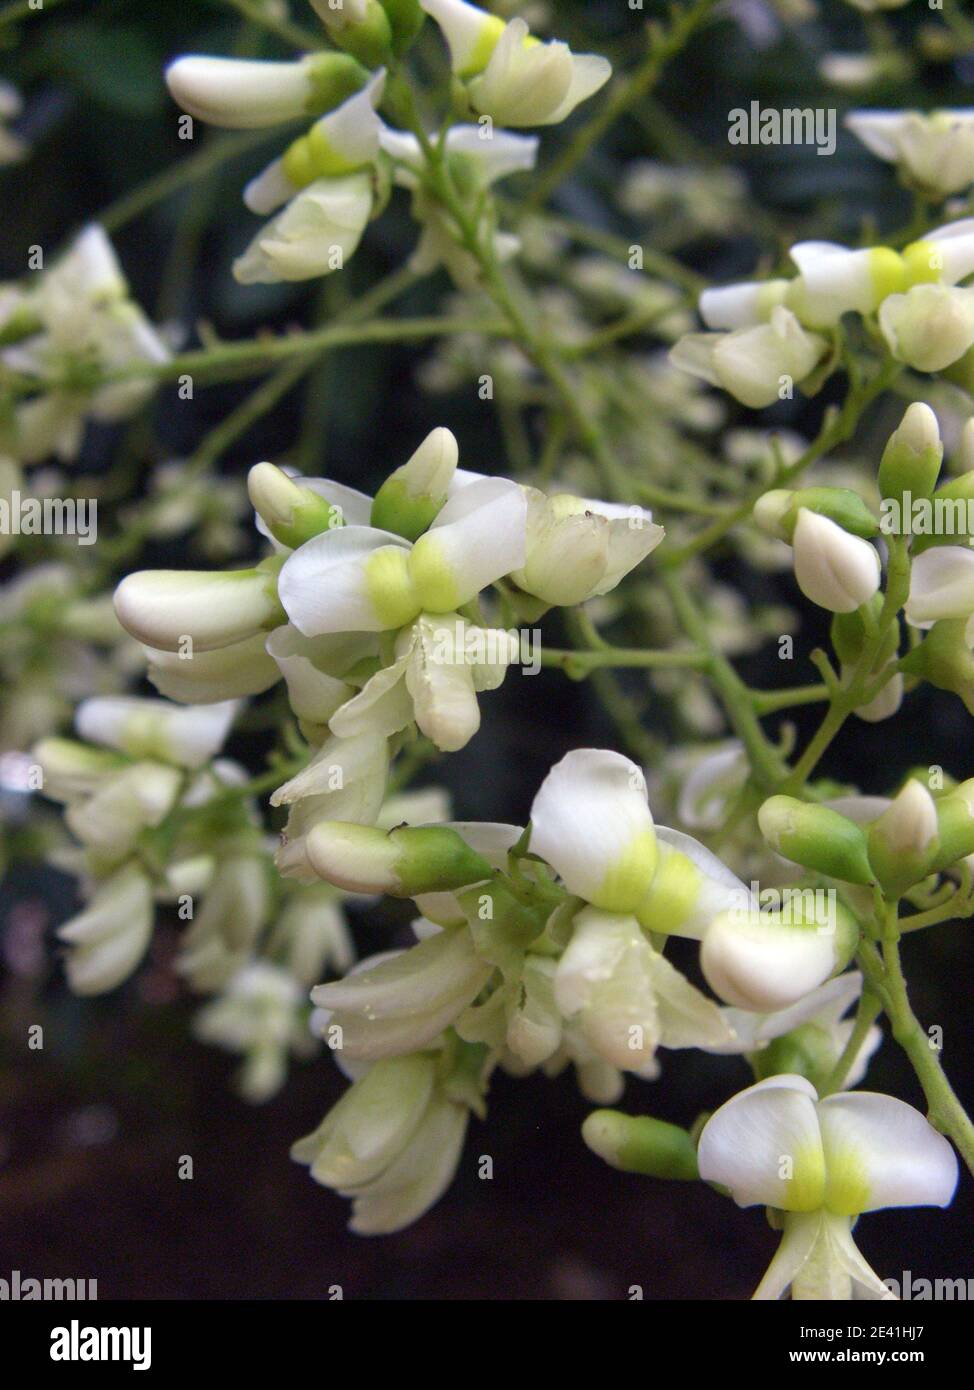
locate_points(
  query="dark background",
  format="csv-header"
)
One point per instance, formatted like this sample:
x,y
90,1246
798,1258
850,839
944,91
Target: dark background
x,y
92,1128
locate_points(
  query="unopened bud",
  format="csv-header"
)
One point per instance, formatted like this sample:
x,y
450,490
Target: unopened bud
x,y
816,837
903,842
834,569
246,94
411,497
641,1144
912,458
293,514
166,608
402,863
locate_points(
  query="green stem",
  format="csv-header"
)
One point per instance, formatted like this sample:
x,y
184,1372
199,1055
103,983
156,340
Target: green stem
x,y
946,1111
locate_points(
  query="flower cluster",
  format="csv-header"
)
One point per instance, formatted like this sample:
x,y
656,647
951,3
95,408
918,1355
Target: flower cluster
x,y
770,336
331,181
63,332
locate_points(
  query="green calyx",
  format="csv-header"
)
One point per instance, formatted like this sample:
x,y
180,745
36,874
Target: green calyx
x,y
435,859
333,78
849,634
641,1144
406,18
952,504
404,513
945,660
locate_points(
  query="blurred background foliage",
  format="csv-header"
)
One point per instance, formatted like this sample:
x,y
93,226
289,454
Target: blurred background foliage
x,y
93,1126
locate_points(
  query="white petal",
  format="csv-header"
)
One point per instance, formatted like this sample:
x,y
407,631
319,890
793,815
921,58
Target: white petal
x,y
189,735
892,1155
941,585
765,1145
324,584
479,536
753,962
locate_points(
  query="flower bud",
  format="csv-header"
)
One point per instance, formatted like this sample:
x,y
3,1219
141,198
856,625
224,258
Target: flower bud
x,y
511,76
292,513
816,837
777,511
402,863
912,458
360,27
411,497
903,842
834,569
246,94
641,1144
955,500
198,609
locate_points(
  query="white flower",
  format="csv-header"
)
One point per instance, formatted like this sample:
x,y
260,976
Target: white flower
x,y
440,664
930,326
577,548
591,822
753,364
511,76
400,1002
941,585
836,570
934,151
110,937
358,579
79,309
189,736
822,1163
345,781
344,140
316,233
626,997
392,1143
480,156
259,1014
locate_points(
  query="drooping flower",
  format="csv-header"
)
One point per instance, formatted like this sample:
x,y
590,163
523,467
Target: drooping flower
x,y
260,1014
934,151
511,76
392,1143
76,314
823,1163
757,365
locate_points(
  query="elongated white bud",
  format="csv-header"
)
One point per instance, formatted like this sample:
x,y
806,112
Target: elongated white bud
x,y
173,610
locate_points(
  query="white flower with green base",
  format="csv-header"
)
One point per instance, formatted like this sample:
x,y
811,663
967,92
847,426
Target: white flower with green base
x,y
822,1163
